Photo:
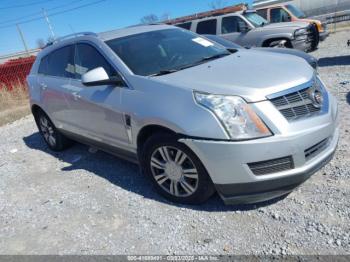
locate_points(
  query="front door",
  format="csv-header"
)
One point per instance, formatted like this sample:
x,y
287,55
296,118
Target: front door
x,y
231,30
96,110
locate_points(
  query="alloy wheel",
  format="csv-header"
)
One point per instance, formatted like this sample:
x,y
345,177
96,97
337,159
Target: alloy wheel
x,y
48,131
174,171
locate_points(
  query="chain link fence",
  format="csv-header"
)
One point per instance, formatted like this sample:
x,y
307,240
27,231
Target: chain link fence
x,y
14,72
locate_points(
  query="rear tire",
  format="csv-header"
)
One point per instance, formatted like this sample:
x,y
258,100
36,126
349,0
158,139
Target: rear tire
x,y
54,139
175,171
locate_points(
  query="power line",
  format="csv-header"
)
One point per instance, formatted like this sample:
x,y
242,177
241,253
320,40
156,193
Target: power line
x,y
54,14
23,5
36,13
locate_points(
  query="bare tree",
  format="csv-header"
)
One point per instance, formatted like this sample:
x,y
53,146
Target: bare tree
x,y
216,4
149,19
152,18
165,16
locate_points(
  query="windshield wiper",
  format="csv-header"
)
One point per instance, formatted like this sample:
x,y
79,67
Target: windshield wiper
x,y
204,59
208,58
165,72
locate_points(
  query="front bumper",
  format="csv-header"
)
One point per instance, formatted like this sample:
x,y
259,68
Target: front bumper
x,y
302,45
227,163
247,193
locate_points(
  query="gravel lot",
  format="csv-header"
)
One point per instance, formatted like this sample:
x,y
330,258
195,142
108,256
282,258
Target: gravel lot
x,y
81,202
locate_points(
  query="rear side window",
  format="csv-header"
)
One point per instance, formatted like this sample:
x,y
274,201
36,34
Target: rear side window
x,y
58,63
207,27
43,67
186,26
262,12
88,58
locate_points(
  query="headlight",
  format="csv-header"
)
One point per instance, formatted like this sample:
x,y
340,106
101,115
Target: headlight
x,y
236,116
301,33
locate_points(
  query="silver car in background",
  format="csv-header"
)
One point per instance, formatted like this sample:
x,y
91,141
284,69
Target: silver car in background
x,y
198,118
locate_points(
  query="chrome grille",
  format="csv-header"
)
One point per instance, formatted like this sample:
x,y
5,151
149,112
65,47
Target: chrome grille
x,y
295,105
271,166
315,149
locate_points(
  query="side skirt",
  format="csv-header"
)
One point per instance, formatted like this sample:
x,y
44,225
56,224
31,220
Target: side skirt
x,y
120,153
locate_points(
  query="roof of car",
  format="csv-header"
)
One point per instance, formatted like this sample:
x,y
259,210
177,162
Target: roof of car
x,y
132,30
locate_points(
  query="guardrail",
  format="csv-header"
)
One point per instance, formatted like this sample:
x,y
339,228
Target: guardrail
x,y
336,17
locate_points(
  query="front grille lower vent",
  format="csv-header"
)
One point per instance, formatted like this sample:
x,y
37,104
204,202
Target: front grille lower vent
x,y
295,105
271,166
315,149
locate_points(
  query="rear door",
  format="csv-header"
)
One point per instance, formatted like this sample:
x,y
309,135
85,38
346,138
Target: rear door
x,y
54,74
95,110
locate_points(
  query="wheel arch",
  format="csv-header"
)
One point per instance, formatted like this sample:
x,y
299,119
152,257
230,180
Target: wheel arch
x,y
266,42
149,130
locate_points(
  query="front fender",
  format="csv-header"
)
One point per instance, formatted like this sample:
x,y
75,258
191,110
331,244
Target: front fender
x,y
153,102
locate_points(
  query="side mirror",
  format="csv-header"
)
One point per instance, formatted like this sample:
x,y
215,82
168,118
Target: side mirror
x,y
99,77
287,18
243,27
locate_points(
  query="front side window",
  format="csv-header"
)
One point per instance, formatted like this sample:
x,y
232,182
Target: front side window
x,y
59,63
207,27
295,11
88,58
230,24
279,15
170,49
255,19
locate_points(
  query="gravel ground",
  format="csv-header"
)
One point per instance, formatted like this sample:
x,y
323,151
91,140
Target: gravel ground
x,y
81,202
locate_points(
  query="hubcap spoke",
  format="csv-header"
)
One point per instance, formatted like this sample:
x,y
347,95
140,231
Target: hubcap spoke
x,y
174,171
163,151
161,178
157,164
52,140
188,188
180,157
43,122
173,188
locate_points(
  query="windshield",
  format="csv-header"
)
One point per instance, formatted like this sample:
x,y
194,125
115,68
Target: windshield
x,y
296,11
256,19
166,50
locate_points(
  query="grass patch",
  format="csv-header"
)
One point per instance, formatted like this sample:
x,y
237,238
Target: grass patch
x,y
14,103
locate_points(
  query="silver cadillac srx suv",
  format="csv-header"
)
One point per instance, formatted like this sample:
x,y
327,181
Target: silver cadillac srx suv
x,y
197,117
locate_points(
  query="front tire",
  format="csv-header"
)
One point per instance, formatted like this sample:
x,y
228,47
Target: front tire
x,y
176,172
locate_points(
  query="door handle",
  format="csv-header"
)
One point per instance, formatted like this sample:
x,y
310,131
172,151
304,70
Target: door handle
x,y
76,95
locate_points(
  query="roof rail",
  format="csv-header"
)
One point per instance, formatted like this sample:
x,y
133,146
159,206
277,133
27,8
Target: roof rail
x,y
70,36
217,12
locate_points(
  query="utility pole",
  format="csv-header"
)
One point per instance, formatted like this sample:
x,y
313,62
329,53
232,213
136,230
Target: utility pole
x,y
23,40
48,24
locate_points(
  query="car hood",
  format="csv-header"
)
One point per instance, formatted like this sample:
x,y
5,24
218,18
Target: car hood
x,y
290,25
309,58
247,73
